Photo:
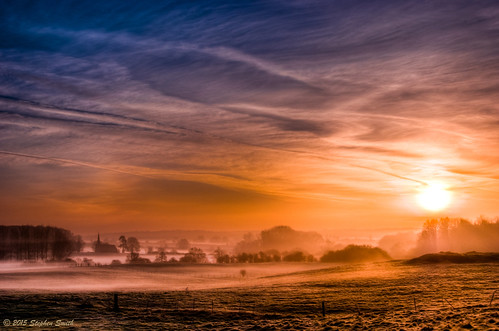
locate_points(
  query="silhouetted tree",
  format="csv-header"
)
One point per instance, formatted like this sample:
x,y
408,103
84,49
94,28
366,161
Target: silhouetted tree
x,y
221,256
133,245
243,258
428,237
274,255
79,243
195,255
28,242
297,256
63,245
123,244
356,253
458,235
161,256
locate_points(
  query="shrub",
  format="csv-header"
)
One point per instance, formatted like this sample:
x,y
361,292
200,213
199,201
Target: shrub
x,y
356,253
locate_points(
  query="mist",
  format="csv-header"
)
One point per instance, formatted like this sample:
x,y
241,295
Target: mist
x,y
177,277
399,245
444,235
458,235
281,238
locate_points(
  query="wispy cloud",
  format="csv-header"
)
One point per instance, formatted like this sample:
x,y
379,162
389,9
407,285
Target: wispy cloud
x,y
356,102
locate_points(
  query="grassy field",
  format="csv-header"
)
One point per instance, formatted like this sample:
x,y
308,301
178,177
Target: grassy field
x,y
388,295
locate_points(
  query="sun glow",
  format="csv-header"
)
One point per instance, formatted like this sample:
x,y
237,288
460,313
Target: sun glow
x,y
434,197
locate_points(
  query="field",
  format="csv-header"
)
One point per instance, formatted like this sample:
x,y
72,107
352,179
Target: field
x,y
383,296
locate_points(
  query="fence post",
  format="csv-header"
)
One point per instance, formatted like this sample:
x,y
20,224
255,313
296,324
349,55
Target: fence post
x,y
116,306
492,299
323,309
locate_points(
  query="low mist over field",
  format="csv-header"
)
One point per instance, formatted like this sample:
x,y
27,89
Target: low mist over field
x,y
387,295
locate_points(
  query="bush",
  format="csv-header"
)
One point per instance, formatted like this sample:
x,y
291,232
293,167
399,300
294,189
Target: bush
x,y
449,257
356,253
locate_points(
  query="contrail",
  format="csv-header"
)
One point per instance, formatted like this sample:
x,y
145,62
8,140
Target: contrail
x,y
78,163
90,165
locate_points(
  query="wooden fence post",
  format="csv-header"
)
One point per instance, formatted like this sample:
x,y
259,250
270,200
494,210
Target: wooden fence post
x,y
116,306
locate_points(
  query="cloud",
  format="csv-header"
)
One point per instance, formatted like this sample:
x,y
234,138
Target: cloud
x,y
381,150
279,98
36,110
286,123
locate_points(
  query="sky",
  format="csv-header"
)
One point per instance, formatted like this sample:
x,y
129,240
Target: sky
x,y
155,115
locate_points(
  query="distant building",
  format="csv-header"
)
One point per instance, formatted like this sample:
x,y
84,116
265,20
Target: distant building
x,y
101,247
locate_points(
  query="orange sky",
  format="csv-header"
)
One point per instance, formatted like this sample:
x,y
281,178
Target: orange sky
x,y
248,116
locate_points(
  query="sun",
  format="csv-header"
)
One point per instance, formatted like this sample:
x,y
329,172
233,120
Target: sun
x,y
434,197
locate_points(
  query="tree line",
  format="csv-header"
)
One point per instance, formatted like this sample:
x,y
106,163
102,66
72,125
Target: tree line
x,y
458,235
272,255
349,254
29,242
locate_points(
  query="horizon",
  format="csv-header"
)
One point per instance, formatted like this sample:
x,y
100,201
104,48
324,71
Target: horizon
x,y
351,117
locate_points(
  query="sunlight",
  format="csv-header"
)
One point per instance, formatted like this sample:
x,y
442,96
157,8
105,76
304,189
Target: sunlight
x,y
434,197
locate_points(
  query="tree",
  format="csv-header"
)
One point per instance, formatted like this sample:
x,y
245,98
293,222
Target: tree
x,y
221,256
355,254
195,255
123,244
133,245
27,242
427,241
79,243
161,256
296,256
